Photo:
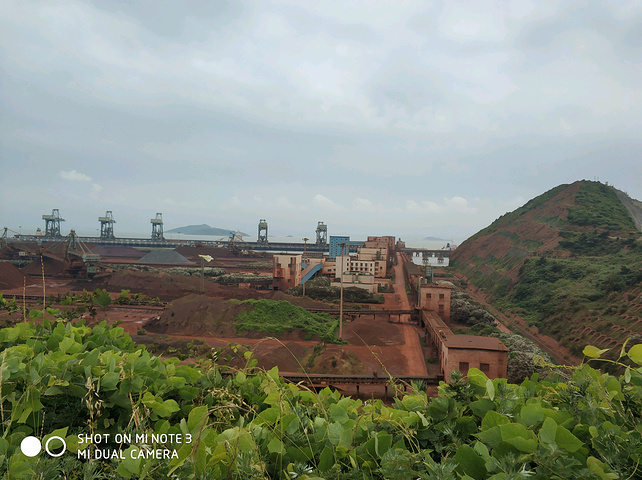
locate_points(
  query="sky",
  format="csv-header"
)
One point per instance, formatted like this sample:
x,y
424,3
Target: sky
x,y
398,118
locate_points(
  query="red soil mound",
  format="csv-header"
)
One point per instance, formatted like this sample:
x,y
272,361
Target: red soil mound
x,y
288,356
168,286
366,331
192,253
336,360
117,251
196,315
52,267
12,277
199,315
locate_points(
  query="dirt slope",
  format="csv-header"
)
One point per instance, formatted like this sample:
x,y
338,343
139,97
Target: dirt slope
x,y
633,206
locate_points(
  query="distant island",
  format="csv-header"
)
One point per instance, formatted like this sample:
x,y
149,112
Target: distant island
x,y
436,239
202,230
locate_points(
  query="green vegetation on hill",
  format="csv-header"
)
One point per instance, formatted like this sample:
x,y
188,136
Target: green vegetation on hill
x,y
513,217
277,316
581,286
598,206
66,380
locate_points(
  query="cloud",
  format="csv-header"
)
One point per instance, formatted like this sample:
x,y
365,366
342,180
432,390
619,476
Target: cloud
x,y
460,204
454,204
96,189
363,205
283,202
74,176
324,202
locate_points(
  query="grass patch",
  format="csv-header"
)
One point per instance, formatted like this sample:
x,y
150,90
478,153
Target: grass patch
x,y
275,317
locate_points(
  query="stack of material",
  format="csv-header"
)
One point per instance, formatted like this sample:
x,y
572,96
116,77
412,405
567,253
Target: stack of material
x,y
165,257
117,251
11,277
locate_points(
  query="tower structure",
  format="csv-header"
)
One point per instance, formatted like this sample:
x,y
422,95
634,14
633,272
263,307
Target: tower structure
x,y
52,224
263,231
107,225
157,227
322,234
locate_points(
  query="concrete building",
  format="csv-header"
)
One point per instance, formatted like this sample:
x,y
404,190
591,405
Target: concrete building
x,y
463,352
364,281
335,246
356,265
287,271
455,352
435,297
355,273
385,241
379,256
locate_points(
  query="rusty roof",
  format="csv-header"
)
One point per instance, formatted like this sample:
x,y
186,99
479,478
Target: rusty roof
x,y
474,342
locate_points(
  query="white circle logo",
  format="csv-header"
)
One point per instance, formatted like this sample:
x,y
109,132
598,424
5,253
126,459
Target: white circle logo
x,y
64,446
30,446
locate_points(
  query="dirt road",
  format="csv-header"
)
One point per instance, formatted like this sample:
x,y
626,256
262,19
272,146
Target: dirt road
x,y
412,350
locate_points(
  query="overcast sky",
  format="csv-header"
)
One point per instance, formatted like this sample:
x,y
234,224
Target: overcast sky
x,y
402,118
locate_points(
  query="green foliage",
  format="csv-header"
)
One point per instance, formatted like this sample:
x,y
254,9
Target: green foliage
x,y
69,380
597,205
325,292
550,287
275,317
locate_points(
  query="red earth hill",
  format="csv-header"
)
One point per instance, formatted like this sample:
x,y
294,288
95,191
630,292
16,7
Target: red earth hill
x,y
568,262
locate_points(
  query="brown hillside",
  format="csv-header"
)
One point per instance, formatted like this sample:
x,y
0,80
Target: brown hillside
x,y
568,264
519,236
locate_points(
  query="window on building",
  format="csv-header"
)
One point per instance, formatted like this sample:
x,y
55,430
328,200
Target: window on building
x,y
441,308
441,296
463,367
484,367
429,295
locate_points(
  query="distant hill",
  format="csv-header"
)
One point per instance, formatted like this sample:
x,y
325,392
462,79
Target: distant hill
x,y
202,230
435,239
568,262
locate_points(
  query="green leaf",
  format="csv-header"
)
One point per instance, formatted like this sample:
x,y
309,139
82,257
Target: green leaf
x,y
527,445
383,441
338,414
598,467
326,459
566,440
548,432
197,418
481,407
334,433
491,437
469,463
477,377
512,430
593,352
493,419
130,466
531,414
490,389
635,353
109,381
276,446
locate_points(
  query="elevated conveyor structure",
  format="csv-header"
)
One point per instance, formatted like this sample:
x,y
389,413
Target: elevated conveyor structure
x,y
310,271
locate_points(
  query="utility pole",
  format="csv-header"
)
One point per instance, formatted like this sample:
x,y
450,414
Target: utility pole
x,y
343,246
305,244
208,259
